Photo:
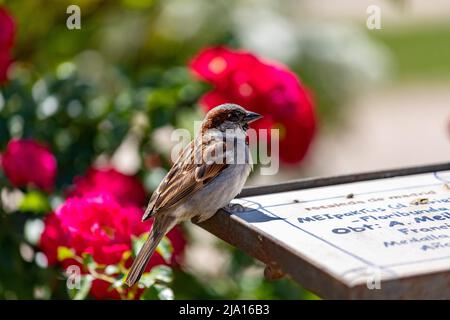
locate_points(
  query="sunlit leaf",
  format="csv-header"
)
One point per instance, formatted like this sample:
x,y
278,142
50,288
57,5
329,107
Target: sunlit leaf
x,y
158,291
163,273
164,293
160,273
82,288
126,255
111,269
35,201
138,242
89,262
118,282
165,249
64,253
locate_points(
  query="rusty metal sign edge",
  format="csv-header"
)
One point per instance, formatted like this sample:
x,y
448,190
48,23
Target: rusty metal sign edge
x,y
234,230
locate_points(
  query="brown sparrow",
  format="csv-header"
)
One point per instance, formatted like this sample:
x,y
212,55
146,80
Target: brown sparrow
x,y
208,174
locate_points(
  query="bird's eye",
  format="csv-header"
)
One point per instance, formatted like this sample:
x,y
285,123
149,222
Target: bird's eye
x,y
233,117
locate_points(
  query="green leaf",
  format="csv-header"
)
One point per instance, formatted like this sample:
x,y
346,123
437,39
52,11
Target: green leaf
x,y
149,294
118,281
35,201
165,249
164,293
160,273
163,273
64,253
81,291
147,280
111,269
125,256
89,262
138,242
158,291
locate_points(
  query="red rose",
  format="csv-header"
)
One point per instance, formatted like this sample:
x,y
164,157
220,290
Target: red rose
x,y
7,29
267,88
216,65
27,162
52,237
125,189
7,32
101,290
5,61
103,228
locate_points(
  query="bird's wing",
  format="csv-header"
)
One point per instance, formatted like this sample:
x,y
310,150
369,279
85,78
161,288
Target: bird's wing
x,y
186,177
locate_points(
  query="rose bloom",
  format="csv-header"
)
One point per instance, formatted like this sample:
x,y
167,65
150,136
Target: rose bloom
x,y
27,162
100,226
5,62
265,87
7,29
127,190
7,32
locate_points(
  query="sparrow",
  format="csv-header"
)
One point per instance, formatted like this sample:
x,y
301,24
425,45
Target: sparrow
x,y
210,171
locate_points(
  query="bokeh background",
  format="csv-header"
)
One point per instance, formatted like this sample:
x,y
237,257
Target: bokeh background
x,y
112,92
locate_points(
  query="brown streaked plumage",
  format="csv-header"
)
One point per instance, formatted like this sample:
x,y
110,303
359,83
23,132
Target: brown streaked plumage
x,y
194,186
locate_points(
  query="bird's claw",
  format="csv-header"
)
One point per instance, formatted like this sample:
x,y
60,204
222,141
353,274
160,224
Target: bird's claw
x,y
235,207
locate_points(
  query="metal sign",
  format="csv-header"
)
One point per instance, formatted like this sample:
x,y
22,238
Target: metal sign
x,y
388,237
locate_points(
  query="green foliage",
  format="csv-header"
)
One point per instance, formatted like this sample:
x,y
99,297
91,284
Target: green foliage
x,y
165,249
82,291
242,279
65,253
420,51
158,291
36,202
79,119
160,274
20,278
137,243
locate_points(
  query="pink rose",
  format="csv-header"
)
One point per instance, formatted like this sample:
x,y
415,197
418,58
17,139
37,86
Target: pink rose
x,y
7,29
268,88
27,162
5,62
125,189
100,226
7,33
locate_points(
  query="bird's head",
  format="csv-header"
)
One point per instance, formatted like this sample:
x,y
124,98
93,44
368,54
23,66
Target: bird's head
x,y
229,116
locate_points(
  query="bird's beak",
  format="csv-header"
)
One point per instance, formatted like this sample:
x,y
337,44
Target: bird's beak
x,y
251,116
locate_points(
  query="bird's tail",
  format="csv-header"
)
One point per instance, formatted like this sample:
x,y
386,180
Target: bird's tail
x,y
161,226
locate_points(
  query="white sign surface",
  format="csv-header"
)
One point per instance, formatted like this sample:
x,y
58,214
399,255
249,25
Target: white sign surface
x,y
386,228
